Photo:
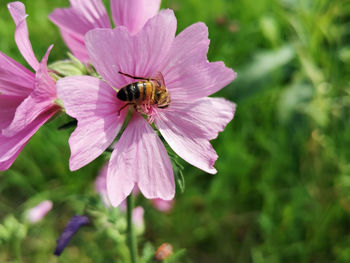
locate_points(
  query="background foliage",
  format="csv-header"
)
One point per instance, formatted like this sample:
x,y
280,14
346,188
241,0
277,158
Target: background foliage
x,y
282,192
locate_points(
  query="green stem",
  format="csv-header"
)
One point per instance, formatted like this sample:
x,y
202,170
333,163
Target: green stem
x,y
17,250
131,235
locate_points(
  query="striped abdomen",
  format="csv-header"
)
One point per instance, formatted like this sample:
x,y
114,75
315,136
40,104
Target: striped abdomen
x,y
137,92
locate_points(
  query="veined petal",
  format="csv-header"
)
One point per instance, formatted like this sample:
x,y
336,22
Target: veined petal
x,y
26,113
186,138
133,14
18,13
76,44
198,81
40,100
93,12
15,79
141,159
74,22
139,55
189,47
8,105
94,104
12,146
209,116
82,16
44,83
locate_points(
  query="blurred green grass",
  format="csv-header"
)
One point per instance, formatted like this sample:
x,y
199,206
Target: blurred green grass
x,y
282,192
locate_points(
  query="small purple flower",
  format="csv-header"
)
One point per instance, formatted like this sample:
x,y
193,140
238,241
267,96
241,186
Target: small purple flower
x,y
74,224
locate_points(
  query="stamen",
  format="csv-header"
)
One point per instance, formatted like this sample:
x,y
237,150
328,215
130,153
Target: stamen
x,y
148,110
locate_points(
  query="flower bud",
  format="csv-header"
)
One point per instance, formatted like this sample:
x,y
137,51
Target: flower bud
x,y
164,251
74,224
38,212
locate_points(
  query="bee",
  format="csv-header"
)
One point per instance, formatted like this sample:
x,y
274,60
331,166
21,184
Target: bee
x,y
146,91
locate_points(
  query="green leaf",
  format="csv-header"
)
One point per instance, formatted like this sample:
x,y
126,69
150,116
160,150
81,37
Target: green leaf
x,y
264,62
179,177
68,67
176,256
177,167
147,253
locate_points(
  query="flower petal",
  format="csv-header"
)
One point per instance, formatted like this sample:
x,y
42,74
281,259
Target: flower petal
x,y
15,79
133,14
188,127
40,100
8,105
44,83
189,47
74,22
12,146
140,55
76,44
188,74
94,104
198,81
82,16
209,116
18,13
139,158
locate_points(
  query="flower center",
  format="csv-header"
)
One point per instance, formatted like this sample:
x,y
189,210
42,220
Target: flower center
x,y
146,95
147,110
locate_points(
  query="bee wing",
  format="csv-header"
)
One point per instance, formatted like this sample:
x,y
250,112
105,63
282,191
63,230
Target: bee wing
x,y
159,76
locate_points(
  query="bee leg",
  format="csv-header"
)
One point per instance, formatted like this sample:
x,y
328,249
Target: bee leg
x,y
163,106
133,77
127,104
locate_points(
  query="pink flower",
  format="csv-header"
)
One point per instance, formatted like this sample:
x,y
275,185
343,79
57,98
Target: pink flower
x,y
83,15
163,205
26,99
137,217
38,212
188,124
101,185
